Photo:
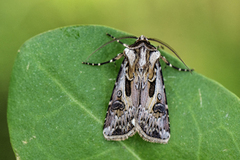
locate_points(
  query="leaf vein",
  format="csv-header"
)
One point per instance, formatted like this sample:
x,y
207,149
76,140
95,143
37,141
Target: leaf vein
x,y
80,105
130,150
68,93
198,128
230,133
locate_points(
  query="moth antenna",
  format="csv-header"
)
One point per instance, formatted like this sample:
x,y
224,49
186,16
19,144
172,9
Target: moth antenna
x,y
170,48
114,39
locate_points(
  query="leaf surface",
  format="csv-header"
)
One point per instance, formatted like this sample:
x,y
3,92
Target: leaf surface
x,y
57,105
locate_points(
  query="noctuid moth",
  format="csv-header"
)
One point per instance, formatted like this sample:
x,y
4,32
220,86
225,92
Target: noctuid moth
x,y
138,102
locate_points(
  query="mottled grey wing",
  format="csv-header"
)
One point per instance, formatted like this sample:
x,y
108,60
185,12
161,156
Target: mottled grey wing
x,y
153,120
120,118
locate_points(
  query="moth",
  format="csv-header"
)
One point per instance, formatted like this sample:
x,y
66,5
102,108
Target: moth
x,y
138,102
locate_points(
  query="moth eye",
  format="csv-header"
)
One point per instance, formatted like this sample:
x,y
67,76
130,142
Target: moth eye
x,y
118,105
159,96
159,107
119,93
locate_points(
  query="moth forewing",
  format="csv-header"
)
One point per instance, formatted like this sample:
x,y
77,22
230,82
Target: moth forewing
x,y
119,122
153,112
153,123
138,101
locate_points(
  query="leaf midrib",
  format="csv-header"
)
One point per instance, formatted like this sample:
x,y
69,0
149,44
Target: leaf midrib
x,y
80,104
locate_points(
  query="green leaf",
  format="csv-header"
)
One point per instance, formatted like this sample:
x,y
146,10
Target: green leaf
x,y
57,105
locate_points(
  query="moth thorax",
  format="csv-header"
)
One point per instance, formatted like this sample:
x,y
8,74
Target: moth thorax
x,y
143,57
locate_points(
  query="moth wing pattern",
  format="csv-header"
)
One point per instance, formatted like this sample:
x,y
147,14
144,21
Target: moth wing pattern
x,y
138,102
120,117
153,117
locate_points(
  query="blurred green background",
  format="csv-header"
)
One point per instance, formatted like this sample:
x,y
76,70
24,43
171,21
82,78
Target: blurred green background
x,y
205,33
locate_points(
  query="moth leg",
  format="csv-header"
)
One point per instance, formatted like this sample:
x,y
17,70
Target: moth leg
x,y
170,65
124,44
99,64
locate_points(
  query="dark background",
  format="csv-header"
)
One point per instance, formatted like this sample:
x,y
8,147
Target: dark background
x,y
206,34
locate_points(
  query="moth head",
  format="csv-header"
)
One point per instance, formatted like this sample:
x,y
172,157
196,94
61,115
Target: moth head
x,y
142,38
